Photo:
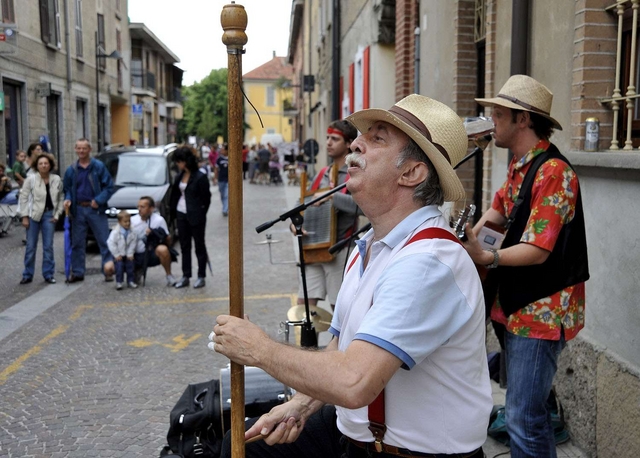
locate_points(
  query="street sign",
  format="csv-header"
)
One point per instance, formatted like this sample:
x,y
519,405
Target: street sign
x,y
308,83
1,101
136,110
8,42
310,149
43,89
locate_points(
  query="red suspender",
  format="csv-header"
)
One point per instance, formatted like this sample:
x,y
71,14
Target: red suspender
x,y
316,182
319,176
376,408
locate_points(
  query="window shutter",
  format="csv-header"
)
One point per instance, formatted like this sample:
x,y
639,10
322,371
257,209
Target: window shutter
x,y
351,87
58,35
44,21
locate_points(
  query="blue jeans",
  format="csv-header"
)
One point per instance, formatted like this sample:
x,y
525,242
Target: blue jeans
x,y
531,366
97,220
47,227
121,267
223,187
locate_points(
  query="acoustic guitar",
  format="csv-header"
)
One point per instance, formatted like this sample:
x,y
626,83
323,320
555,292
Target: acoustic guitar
x,y
490,236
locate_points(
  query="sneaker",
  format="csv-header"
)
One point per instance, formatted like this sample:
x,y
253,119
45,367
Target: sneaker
x,y
225,213
171,280
118,286
199,283
132,285
50,280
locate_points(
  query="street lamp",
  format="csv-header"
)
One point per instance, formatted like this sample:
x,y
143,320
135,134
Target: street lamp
x,y
100,53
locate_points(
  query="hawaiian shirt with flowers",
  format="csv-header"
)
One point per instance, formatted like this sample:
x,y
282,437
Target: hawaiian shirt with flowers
x,y
553,202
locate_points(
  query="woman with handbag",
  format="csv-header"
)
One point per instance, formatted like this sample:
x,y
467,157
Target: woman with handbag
x,y
44,189
190,200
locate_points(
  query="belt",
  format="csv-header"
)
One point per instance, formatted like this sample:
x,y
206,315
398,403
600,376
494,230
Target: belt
x,y
393,450
85,203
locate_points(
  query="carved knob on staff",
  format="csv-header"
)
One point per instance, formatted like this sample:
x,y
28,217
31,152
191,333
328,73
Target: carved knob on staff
x,y
234,23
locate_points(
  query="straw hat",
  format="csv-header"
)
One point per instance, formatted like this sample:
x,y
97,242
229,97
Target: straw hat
x,y
436,129
521,92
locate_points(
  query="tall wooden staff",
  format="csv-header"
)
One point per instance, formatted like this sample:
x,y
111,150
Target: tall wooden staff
x,y
234,23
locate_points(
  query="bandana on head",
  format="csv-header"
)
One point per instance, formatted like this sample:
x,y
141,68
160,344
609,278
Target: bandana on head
x,y
331,130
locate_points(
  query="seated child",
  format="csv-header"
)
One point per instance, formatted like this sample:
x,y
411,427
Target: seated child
x,y
122,245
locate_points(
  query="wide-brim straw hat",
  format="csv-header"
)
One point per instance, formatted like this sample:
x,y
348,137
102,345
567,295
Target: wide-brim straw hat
x,y
521,92
435,127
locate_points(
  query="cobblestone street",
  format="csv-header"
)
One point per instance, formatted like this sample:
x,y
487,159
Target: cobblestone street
x,y
98,372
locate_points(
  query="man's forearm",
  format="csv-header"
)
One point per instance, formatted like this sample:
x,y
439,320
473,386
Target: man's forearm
x,y
306,370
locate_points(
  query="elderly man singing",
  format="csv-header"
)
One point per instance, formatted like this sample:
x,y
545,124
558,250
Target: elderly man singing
x,y
406,372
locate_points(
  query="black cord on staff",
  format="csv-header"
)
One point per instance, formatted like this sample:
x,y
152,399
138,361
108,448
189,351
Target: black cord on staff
x,y
245,95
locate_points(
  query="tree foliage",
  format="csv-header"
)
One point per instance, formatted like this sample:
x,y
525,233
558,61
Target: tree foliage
x,y
205,108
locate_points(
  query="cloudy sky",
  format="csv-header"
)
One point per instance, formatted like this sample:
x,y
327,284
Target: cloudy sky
x,y
192,30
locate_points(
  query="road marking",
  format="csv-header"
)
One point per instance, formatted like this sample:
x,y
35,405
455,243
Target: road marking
x,y
180,342
24,311
17,364
79,311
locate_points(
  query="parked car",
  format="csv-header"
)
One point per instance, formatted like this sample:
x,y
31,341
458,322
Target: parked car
x,y
137,173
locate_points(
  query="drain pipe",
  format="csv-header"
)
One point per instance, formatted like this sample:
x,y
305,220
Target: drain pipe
x,y
416,63
335,70
520,37
519,41
67,42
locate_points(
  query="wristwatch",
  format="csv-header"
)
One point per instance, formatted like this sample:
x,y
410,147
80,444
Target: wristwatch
x,y
496,259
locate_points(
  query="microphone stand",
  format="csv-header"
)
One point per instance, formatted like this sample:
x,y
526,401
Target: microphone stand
x,y
308,336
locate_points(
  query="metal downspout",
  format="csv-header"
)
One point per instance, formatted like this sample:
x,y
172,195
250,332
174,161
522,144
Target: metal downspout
x,y
416,63
335,71
519,42
520,37
67,42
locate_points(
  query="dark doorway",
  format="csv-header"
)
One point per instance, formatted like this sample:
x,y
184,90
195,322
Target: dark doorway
x,y
12,120
53,126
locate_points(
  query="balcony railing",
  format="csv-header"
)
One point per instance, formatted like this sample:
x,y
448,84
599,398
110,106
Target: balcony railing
x,y
143,80
174,95
626,59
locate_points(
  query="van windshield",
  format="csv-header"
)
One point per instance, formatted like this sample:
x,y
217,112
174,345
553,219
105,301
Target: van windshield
x,y
141,171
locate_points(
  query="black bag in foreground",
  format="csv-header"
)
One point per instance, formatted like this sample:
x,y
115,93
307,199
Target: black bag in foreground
x,y
191,431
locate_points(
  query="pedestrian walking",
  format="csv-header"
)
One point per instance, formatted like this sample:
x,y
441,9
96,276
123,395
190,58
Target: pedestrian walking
x,y
245,161
190,200
221,174
122,244
41,201
253,163
87,188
